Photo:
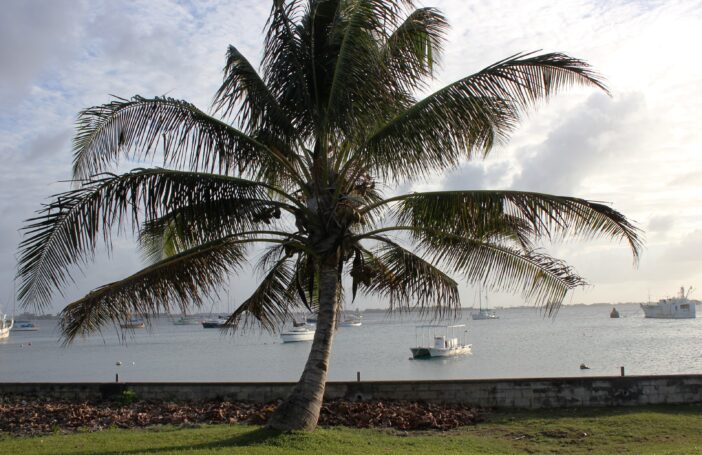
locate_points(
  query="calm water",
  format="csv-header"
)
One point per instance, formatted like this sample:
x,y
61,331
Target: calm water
x,y
520,344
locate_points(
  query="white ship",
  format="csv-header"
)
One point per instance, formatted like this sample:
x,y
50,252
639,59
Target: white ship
x,y
680,307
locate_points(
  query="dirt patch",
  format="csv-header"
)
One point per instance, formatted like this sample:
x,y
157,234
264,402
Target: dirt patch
x,y
34,416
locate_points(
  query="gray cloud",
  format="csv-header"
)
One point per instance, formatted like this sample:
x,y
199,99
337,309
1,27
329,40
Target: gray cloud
x,y
60,56
581,145
34,34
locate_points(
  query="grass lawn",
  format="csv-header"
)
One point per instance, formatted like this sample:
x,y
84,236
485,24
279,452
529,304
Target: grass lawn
x,y
649,430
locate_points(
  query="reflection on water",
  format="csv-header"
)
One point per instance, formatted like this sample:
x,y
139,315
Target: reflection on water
x,y
521,343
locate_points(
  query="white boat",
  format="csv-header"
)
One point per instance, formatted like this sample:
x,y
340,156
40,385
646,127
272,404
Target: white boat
x,y
680,307
184,319
444,341
353,320
5,326
298,333
214,323
134,323
25,326
483,313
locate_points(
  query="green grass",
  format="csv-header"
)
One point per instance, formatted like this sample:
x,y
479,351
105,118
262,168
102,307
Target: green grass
x,y
649,430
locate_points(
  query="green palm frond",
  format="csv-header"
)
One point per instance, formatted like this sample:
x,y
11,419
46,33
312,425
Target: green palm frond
x,y
244,95
540,278
284,61
271,304
413,49
470,212
362,88
68,229
188,138
406,280
180,281
469,115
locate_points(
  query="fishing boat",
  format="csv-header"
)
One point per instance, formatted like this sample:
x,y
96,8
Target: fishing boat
x,y
483,313
614,314
134,323
299,332
440,341
680,307
25,326
5,326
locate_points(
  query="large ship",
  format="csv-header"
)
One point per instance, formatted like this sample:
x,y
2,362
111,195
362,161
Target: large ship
x,y
680,307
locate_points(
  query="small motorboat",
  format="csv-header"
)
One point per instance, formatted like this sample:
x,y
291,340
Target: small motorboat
x,y
25,326
445,343
614,314
214,323
299,332
134,323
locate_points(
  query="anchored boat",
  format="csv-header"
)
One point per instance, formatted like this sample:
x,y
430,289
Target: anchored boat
x,y
444,341
483,313
5,326
134,323
25,326
299,332
353,320
680,307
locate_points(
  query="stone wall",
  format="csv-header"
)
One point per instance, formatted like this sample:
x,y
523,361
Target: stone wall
x,y
497,393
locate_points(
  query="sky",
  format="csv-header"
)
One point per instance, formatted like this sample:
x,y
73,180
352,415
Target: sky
x,y
639,149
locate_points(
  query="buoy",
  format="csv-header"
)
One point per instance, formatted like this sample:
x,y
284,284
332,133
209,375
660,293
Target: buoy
x,y
584,367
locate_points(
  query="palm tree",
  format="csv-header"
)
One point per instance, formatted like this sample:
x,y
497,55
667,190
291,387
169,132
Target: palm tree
x,y
292,158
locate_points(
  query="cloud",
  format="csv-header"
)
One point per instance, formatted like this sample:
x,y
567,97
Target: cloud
x,y
583,143
33,35
639,149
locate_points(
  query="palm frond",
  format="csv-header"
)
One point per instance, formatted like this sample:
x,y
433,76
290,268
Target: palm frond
x,y
413,49
180,281
470,212
271,304
406,280
284,64
188,138
244,95
540,278
67,230
469,115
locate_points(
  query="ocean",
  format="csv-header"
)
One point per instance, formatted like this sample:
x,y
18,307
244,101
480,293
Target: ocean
x,y
521,343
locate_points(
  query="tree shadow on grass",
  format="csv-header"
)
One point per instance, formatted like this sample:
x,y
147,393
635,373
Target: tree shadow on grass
x,y
250,438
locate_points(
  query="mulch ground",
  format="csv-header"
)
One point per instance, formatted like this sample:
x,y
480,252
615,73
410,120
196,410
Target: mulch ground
x,y
36,416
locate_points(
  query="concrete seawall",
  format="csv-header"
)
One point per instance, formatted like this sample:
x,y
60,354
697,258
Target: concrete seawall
x,y
496,393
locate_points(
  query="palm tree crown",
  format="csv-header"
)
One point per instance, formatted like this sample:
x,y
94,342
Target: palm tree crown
x,y
292,158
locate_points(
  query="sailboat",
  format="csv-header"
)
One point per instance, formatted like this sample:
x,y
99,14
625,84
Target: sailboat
x,y
353,320
5,326
483,313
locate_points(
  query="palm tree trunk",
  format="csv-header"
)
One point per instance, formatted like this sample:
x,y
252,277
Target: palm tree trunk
x,y
300,411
